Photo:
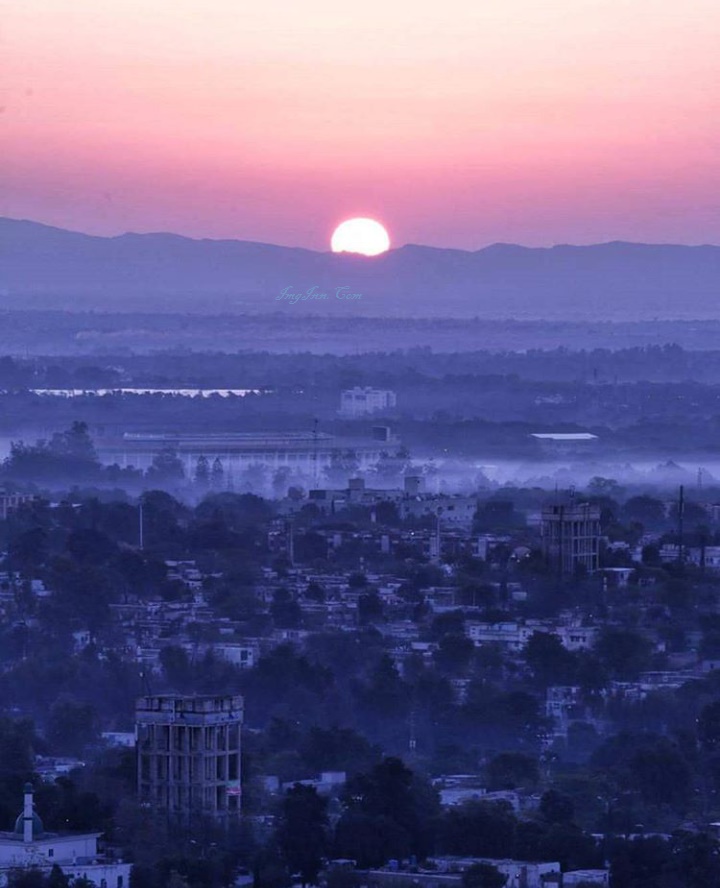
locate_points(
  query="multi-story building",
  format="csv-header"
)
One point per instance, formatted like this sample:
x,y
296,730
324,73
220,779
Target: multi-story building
x,y
571,536
363,401
189,755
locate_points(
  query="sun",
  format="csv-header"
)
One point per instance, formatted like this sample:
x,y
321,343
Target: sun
x,y
360,235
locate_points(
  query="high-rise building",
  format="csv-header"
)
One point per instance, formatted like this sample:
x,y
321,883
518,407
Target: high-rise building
x,y
189,755
571,536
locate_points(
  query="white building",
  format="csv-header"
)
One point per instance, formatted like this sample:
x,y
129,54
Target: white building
x,y
530,874
513,636
586,877
28,846
363,401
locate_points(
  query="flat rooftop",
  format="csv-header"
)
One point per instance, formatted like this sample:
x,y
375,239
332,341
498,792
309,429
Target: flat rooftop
x,y
563,436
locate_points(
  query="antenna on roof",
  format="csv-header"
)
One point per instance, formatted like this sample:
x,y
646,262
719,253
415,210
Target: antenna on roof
x,y
314,451
146,682
681,517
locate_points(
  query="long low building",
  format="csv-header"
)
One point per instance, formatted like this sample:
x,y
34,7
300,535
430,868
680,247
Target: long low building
x,y
446,872
306,452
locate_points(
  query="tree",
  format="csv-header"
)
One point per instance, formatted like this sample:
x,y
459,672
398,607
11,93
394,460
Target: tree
x,y
75,443
370,608
623,653
449,623
478,829
315,592
454,653
217,474
392,807
386,696
370,840
166,468
281,482
708,726
90,546
72,726
57,878
31,877
34,877
202,472
549,660
239,511
497,516
555,807
483,875
344,464
661,774
338,749
69,455
176,666
269,871
163,520
512,769
285,611
302,831
645,510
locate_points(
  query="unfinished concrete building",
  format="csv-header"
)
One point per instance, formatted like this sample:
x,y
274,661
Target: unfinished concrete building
x,y
571,536
189,755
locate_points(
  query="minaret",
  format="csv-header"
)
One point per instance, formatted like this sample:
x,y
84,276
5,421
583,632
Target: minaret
x,y
28,814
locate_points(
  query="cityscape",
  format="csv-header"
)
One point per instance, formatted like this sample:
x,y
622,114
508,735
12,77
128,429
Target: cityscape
x,y
360,444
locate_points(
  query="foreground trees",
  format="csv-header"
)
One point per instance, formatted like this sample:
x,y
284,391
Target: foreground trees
x,y
302,831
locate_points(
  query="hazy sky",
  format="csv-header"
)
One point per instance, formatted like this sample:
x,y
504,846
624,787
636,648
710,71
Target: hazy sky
x,y
456,123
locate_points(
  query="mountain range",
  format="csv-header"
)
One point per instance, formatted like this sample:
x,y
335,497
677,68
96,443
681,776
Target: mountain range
x,y
51,268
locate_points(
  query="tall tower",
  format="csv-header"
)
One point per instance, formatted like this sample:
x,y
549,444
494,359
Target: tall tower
x,y
189,755
571,536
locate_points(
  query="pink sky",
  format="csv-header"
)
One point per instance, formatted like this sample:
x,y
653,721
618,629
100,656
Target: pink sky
x,y
457,123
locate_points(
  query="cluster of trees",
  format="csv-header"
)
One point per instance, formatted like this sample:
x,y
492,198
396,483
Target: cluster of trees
x,y
391,812
69,458
34,877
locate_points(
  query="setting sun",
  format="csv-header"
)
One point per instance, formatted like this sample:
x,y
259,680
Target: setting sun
x,y
360,235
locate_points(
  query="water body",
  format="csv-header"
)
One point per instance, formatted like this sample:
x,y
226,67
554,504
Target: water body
x,y
175,392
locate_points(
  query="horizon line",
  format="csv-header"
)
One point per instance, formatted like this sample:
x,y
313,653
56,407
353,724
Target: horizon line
x,y
392,249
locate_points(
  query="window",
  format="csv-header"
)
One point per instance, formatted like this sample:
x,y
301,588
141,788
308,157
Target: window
x,y
51,852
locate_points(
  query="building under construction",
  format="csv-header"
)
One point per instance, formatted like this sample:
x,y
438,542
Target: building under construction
x,y
189,755
571,536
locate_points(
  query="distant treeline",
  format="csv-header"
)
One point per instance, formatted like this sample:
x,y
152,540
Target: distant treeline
x,y
95,333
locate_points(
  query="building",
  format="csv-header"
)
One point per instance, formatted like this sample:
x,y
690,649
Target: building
x,y
571,536
510,635
449,510
561,444
10,502
586,877
359,401
189,755
302,452
30,846
446,872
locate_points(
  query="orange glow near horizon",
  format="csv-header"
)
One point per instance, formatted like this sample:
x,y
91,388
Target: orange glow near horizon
x,y
460,123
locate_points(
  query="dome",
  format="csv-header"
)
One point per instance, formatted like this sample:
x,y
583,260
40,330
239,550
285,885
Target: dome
x,y
37,825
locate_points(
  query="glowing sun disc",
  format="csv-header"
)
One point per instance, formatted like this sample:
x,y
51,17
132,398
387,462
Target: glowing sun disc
x,y
360,235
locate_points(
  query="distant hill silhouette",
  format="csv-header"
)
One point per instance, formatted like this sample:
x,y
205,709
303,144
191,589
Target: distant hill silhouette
x,y
45,267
